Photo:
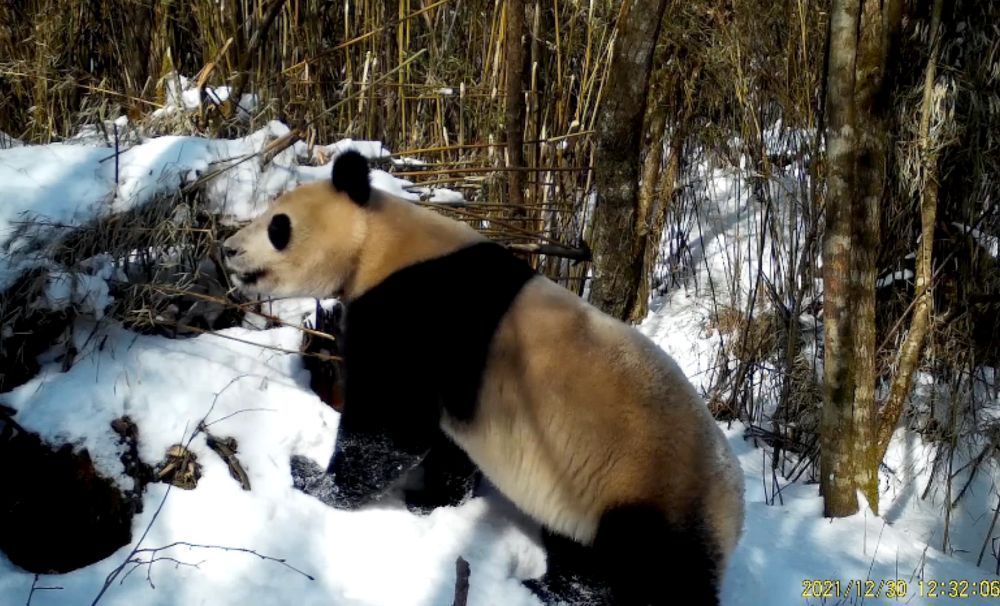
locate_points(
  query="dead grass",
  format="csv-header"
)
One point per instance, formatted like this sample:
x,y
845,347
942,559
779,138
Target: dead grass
x,y
425,77
750,340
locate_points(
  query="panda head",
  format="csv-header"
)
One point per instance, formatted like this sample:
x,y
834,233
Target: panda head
x,y
309,242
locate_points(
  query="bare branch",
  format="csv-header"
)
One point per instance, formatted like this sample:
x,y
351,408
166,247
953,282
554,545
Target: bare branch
x,y
155,550
35,587
233,414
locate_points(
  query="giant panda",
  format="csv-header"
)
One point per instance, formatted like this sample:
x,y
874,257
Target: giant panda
x,y
578,419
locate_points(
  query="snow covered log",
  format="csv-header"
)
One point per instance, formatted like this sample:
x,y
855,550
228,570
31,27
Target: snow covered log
x,y
57,513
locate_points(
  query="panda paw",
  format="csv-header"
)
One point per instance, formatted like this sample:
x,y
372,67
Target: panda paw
x,y
559,590
450,491
313,480
423,503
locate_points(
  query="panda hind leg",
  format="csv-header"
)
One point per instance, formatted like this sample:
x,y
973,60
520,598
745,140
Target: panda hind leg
x,y
573,574
650,561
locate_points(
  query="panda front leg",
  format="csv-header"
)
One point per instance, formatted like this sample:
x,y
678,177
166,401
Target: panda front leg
x,y
446,477
364,467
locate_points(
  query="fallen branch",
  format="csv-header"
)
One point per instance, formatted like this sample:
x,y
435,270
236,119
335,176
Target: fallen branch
x,y
552,250
108,580
462,572
243,307
153,551
226,449
202,331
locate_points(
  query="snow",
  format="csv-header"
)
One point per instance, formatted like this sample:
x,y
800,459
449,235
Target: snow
x,y
382,555
183,96
71,184
88,293
896,276
788,544
57,183
407,161
62,185
372,150
242,383
787,541
261,397
989,242
6,141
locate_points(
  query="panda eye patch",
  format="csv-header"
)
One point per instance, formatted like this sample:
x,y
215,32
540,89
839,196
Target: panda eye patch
x,y
279,231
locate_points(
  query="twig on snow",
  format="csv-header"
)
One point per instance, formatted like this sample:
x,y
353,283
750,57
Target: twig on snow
x,y
131,558
149,563
233,414
153,551
462,572
35,587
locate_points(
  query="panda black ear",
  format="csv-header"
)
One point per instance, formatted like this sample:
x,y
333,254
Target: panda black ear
x,y
350,176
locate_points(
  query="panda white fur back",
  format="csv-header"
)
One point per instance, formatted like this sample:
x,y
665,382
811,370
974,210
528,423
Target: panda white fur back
x,y
581,413
579,419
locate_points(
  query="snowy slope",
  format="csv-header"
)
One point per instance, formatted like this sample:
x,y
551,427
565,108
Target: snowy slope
x,y
262,398
244,386
62,185
384,555
787,541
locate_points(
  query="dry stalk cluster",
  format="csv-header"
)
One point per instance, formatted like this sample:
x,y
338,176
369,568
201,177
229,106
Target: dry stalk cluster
x,y
427,78
160,262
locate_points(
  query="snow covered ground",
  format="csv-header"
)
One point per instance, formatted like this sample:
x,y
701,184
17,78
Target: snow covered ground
x,y
62,185
242,385
787,541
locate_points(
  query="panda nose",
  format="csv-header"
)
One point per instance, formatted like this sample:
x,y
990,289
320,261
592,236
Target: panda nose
x,y
229,251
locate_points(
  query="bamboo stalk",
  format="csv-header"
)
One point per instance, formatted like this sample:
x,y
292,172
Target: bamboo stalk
x,y
492,169
912,348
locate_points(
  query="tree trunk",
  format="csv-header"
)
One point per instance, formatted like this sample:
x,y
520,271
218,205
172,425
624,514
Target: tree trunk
x,y
650,236
617,267
861,47
879,24
514,96
655,127
837,428
659,184
910,353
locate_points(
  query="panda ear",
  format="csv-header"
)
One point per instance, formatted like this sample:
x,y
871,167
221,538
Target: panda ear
x,y
351,176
